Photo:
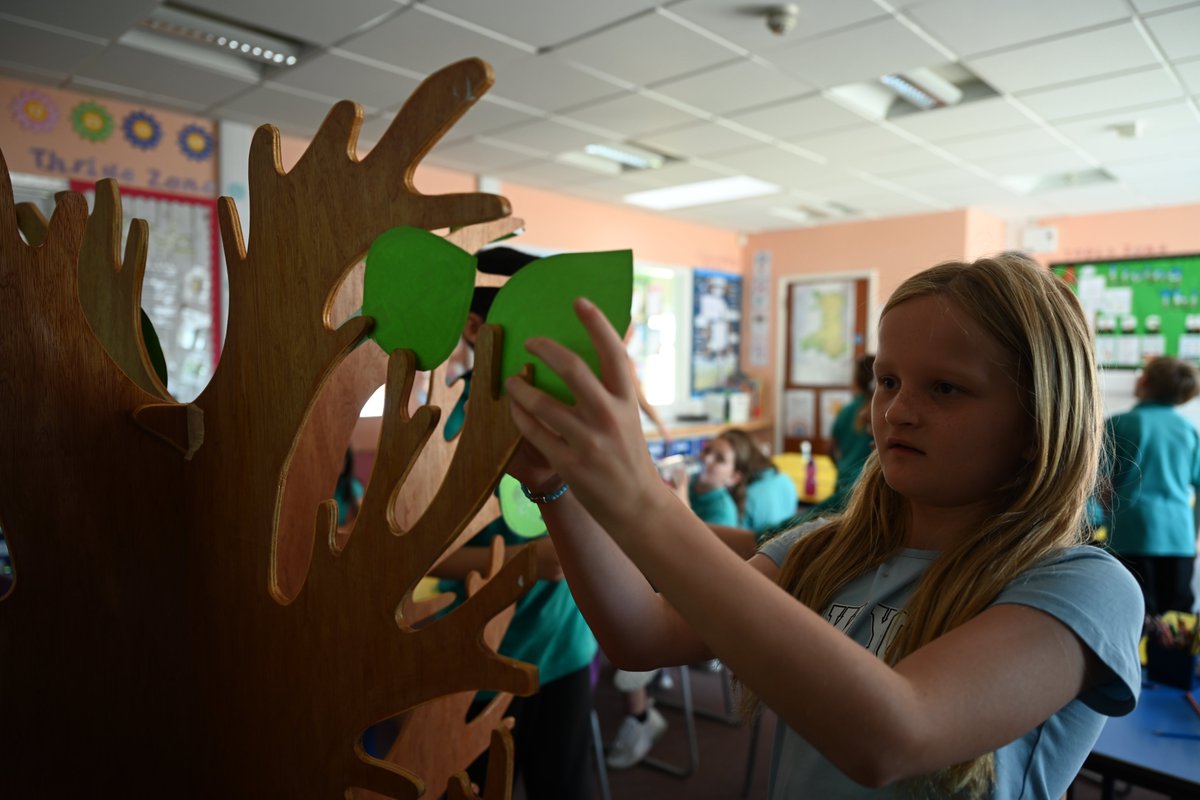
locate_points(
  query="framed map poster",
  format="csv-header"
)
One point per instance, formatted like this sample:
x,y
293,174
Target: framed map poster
x,y
821,333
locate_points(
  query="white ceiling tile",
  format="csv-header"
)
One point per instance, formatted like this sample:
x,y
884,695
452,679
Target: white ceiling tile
x,y
856,54
333,75
630,115
746,26
959,23
932,180
1092,97
321,23
548,83
1066,63
678,173
482,118
905,159
802,116
1039,162
951,122
1001,145
480,155
107,20
845,145
779,166
542,23
1190,73
1151,6
699,139
160,75
740,84
425,43
44,50
1168,128
1177,32
1076,57
546,136
646,50
290,112
547,174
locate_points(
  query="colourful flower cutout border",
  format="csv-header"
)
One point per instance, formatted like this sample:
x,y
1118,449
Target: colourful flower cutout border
x,y
34,111
142,130
92,121
195,142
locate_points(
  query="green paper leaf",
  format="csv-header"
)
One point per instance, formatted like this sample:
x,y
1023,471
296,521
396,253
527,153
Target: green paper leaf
x,y
521,515
418,288
538,301
153,348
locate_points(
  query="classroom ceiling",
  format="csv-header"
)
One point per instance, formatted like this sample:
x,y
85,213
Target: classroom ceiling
x,y
1068,106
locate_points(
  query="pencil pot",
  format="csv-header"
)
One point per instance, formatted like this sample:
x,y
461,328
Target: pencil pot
x,y
1169,666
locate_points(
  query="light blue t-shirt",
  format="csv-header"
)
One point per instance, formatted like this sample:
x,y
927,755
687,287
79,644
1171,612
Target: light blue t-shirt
x,y
770,499
1084,587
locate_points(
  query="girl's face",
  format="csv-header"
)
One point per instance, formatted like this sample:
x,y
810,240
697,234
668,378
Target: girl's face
x,y
946,414
720,464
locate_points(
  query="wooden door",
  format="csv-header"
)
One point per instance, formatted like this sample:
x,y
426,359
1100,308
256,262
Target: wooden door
x,y
826,333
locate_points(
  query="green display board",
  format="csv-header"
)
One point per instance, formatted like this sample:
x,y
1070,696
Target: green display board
x,y
1140,308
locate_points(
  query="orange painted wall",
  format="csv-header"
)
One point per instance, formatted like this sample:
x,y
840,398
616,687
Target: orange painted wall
x,y
890,250
1171,230
55,148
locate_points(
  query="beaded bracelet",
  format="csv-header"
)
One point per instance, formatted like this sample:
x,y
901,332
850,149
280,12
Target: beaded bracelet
x,y
548,497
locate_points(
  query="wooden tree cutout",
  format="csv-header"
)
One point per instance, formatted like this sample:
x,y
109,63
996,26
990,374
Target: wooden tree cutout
x,y
172,629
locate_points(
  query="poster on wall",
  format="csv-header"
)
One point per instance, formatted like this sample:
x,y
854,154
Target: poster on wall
x,y
832,402
799,413
760,299
180,289
822,333
1139,308
716,329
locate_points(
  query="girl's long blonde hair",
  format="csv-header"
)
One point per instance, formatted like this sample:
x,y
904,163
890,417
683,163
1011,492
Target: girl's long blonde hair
x,y
1036,317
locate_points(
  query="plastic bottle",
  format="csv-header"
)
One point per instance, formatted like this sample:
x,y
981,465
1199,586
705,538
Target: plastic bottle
x,y
810,469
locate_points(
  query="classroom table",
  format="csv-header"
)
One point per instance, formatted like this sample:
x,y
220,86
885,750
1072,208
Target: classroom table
x,y
1129,750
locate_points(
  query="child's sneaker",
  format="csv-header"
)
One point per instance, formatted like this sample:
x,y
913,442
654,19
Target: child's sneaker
x,y
634,739
632,681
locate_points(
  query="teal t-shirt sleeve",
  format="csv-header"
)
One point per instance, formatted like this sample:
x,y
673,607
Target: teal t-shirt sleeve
x,y
777,547
1091,593
716,507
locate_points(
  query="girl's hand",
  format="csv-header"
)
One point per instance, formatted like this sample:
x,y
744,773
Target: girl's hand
x,y
532,469
596,445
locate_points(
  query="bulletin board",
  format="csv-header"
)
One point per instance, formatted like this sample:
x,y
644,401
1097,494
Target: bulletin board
x,y
1139,308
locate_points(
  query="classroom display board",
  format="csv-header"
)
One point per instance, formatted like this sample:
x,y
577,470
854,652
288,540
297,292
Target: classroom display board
x,y
1139,308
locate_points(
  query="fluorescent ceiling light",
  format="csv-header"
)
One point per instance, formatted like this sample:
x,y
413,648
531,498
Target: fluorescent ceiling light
x,y
1037,184
591,163
924,88
627,155
255,46
702,193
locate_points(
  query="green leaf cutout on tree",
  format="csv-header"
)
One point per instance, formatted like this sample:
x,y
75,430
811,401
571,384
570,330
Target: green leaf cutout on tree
x,y
539,300
153,348
418,289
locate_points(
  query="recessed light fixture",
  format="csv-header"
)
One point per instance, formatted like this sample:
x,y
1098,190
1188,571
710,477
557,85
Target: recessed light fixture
x,y
924,88
702,193
627,155
199,29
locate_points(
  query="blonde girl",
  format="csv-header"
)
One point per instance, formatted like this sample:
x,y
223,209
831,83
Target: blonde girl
x,y
949,634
